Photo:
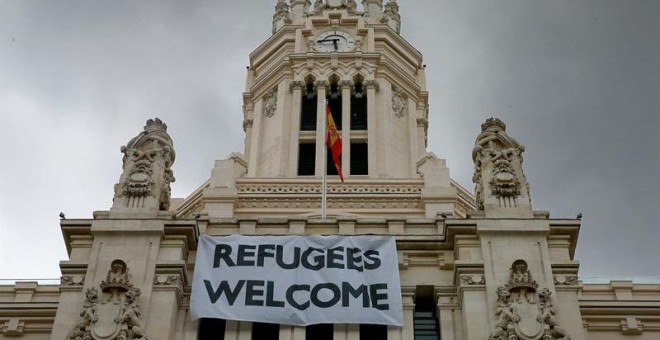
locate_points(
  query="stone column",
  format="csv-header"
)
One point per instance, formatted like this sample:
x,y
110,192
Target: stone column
x,y
342,331
238,330
407,332
296,88
373,8
372,87
321,88
346,86
288,332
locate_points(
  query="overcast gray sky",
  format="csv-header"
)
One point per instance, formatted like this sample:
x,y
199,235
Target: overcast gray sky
x,y
576,81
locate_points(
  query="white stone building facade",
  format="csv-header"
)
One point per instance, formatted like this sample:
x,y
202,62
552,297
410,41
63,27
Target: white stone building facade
x,y
472,266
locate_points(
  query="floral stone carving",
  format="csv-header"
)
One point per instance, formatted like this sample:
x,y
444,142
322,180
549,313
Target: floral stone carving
x,y
145,181
523,313
112,314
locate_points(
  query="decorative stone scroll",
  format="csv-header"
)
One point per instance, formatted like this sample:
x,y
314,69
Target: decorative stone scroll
x,y
270,103
498,167
523,312
113,313
145,181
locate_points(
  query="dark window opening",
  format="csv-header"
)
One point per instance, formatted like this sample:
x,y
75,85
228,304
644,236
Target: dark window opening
x,y
331,169
373,332
265,331
322,331
425,319
334,102
359,159
211,329
306,159
308,107
358,108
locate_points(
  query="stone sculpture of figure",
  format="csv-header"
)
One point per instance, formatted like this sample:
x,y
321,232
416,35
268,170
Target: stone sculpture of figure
x,y
548,316
318,7
351,5
519,272
131,314
117,272
88,317
505,315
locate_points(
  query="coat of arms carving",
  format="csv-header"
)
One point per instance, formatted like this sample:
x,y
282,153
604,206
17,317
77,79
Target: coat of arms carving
x,y
524,313
112,314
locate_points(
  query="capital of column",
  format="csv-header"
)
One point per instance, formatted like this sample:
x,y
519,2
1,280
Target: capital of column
x,y
343,84
296,85
321,84
371,84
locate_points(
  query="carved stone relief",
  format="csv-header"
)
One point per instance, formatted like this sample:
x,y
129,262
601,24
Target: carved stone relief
x,y
565,280
270,103
471,279
523,312
113,313
501,156
145,181
399,102
72,280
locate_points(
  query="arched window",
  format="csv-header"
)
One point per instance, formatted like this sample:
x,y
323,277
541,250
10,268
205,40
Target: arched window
x,y
334,100
358,105
308,107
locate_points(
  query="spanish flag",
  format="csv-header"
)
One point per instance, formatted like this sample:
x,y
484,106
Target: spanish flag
x,y
333,141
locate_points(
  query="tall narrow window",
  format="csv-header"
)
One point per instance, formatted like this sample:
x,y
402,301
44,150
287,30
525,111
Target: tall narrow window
x,y
265,331
322,331
211,329
308,107
359,159
373,332
334,102
358,108
306,159
425,319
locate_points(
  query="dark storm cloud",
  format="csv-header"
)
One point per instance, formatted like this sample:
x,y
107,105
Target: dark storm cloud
x,y
577,82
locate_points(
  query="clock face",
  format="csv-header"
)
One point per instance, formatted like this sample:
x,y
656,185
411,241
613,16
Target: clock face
x,y
334,41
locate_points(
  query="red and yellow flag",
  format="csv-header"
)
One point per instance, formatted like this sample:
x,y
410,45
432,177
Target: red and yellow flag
x,y
333,141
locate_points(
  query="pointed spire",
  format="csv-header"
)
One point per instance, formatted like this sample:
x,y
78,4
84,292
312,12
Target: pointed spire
x,y
299,9
282,15
391,16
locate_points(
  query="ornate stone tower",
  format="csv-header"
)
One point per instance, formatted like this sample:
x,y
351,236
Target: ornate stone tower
x,y
470,268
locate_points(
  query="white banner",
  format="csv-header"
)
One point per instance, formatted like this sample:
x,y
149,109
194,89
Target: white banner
x,y
298,280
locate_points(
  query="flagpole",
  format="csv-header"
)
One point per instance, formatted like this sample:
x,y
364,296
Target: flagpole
x,y
324,182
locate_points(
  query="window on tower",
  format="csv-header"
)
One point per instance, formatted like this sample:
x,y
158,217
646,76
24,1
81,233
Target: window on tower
x,y
334,102
358,108
265,331
425,318
308,109
373,332
322,331
359,158
306,159
211,329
